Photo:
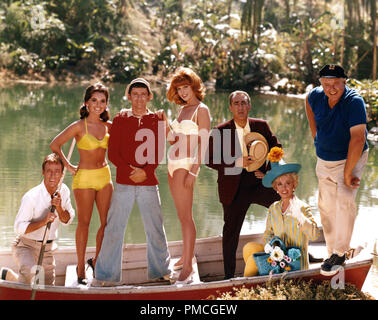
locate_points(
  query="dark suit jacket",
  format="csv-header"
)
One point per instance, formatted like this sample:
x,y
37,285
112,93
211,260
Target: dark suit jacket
x,y
224,149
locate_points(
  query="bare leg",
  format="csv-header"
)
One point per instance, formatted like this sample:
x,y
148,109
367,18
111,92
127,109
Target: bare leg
x,y
183,199
103,198
84,204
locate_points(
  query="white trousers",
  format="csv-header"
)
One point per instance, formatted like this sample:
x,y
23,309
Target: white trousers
x,y
336,203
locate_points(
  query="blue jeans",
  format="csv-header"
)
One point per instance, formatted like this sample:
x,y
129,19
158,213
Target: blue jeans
x,y
109,261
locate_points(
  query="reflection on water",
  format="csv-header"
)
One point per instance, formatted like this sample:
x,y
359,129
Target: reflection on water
x,y
30,116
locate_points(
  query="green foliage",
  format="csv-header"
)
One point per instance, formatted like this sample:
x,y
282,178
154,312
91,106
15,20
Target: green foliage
x,y
170,58
368,89
245,44
243,67
23,62
51,35
127,61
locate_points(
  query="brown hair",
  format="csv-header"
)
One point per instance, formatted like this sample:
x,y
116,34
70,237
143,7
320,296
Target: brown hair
x,y
185,76
293,175
97,87
52,158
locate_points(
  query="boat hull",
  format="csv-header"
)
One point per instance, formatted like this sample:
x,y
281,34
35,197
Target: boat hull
x,y
354,274
209,256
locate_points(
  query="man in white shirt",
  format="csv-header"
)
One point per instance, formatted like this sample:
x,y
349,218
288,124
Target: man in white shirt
x,y
32,218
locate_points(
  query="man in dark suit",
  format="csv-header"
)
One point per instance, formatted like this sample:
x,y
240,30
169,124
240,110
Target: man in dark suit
x,y
239,174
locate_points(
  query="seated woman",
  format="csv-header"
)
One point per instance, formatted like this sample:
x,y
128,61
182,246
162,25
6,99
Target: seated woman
x,y
290,219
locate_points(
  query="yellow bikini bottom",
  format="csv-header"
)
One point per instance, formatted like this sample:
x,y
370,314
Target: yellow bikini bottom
x,y
92,178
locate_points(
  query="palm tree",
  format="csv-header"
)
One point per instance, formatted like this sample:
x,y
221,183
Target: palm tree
x,y
360,16
373,15
252,12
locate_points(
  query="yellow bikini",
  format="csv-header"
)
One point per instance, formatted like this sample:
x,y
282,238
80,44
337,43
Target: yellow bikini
x,y
90,142
92,178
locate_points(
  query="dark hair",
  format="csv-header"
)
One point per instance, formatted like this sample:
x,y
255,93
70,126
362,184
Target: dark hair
x,y
138,85
97,87
52,158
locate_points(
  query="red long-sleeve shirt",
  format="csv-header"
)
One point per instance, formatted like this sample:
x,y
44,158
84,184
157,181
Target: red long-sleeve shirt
x,y
138,142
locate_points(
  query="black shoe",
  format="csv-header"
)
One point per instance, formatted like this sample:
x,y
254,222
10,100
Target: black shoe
x,y
90,263
4,272
312,259
83,281
332,265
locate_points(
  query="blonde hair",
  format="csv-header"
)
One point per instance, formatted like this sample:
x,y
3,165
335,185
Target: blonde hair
x,y
293,175
185,76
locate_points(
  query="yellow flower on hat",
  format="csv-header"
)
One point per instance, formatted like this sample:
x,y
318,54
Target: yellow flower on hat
x,y
275,154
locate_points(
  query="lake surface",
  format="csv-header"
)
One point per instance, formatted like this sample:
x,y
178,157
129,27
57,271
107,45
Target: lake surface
x,y
31,116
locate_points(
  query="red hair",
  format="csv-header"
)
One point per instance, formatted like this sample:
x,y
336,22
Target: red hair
x,y
185,76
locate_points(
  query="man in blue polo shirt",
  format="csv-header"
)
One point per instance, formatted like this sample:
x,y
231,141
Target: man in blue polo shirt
x,y
337,120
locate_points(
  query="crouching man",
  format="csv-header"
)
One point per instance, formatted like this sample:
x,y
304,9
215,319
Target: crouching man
x,y
33,216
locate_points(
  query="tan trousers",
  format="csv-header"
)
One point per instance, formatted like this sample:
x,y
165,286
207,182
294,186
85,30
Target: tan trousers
x,y
26,253
336,203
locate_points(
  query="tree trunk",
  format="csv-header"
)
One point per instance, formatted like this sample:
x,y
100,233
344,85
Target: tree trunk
x,y
373,9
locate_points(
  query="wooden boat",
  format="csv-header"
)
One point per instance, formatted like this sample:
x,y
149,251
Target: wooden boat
x,y
208,252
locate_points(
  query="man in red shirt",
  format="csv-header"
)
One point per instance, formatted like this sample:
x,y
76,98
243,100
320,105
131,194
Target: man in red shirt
x,y
136,146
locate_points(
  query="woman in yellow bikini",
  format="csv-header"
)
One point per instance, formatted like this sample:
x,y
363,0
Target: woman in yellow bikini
x,y
188,135
91,178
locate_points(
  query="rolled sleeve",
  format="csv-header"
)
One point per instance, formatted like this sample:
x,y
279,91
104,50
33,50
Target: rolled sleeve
x,y
24,216
67,204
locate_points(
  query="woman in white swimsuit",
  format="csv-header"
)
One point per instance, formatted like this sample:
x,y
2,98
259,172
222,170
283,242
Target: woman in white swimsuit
x,y
188,135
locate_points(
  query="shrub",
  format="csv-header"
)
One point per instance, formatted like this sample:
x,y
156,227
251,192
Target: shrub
x,y
127,61
243,68
23,62
368,89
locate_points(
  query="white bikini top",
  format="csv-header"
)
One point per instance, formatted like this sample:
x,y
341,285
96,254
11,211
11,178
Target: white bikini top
x,y
187,127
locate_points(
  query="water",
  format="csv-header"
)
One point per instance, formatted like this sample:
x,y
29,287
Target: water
x,y
31,116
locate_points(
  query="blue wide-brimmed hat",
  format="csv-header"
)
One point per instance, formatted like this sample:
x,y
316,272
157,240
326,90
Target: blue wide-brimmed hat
x,y
279,168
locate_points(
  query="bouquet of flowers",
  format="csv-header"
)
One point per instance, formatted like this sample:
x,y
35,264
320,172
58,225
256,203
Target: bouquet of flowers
x,y
276,258
280,261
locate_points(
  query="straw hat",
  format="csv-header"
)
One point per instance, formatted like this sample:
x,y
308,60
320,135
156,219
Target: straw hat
x,y
258,148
